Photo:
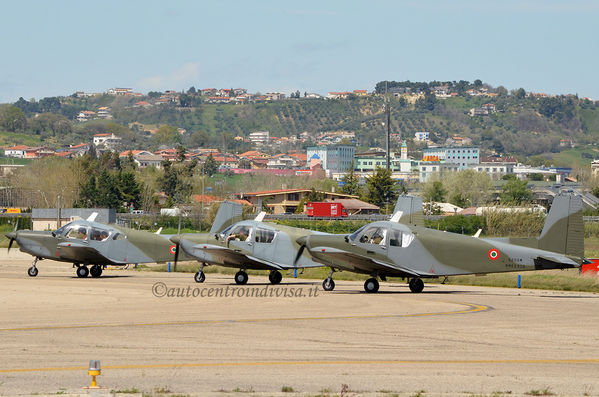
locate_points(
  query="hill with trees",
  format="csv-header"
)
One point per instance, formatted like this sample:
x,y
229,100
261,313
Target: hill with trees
x,y
519,123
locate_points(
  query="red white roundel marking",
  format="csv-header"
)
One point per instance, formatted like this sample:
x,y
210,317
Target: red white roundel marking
x,y
493,254
173,249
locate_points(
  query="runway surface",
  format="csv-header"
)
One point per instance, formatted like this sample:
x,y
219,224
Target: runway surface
x,y
162,331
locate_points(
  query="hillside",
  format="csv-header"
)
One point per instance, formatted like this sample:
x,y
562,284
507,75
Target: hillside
x,y
517,123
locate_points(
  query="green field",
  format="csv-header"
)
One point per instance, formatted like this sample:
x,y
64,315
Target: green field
x,y
18,138
573,157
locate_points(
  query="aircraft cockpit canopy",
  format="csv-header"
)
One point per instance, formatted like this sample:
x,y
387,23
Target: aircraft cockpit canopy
x,y
83,231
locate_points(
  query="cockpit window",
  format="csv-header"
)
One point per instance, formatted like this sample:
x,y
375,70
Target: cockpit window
x,y
400,239
239,233
374,235
78,233
119,236
264,235
99,234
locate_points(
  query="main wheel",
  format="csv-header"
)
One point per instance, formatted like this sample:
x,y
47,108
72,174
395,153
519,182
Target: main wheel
x,y
371,285
416,285
241,277
32,271
96,271
82,271
199,277
328,284
275,277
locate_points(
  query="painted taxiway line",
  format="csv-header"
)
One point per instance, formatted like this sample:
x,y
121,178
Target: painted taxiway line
x,y
471,308
299,363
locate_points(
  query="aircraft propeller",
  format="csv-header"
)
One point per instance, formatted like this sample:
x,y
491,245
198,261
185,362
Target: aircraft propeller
x,y
12,235
302,241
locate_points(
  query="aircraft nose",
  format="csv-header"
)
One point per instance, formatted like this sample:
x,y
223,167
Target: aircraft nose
x,y
11,235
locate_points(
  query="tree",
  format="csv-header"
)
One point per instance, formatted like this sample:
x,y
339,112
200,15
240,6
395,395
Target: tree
x,y
428,102
181,153
167,135
129,189
434,191
210,166
13,119
381,187
88,194
350,181
108,193
515,192
191,90
469,188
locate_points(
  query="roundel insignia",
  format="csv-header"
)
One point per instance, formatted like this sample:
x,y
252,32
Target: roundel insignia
x,y
173,249
493,254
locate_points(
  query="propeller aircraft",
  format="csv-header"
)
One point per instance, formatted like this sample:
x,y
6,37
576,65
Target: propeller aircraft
x,y
246,244
410,251
87,243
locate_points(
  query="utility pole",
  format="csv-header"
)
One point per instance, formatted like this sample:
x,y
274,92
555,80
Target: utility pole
x,y
388,140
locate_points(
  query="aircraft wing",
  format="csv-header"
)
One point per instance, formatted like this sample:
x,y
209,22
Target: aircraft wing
x,y
236,256
83,253
368,264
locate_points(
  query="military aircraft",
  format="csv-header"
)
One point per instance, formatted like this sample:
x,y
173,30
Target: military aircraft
x,y
394,249
246,244
87,243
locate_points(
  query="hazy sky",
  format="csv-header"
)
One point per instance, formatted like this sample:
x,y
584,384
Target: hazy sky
x,y
58,47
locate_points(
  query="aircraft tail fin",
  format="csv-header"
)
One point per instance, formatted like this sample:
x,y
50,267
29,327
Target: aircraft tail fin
x,y
411,208
564,229
227,214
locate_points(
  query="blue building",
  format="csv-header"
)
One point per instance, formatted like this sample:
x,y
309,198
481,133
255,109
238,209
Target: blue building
x,y
334,159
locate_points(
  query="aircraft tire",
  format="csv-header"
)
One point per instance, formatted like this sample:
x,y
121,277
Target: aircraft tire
x,y
416,285
96,271
328,284
199,277
371,285
32,271
275,277
82,271
241,278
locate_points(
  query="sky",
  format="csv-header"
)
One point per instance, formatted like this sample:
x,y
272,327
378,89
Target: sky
x,y
53,48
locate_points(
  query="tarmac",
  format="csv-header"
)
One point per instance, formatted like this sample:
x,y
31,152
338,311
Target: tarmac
x,y
161,333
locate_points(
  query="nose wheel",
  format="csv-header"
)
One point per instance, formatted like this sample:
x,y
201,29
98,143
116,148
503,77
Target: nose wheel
x,y
199,277
32,271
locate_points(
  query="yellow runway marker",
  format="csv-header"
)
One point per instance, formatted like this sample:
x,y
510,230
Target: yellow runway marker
x,y
291,363
472,308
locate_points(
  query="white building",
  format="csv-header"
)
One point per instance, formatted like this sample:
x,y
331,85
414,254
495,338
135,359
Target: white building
x,y
16,151
108,140
260,137
422,136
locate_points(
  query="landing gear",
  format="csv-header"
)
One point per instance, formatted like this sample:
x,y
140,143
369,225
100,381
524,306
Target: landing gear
x,y
95,271
416,285
328,284
200,277
371,285
82,271
241,277
275,277
32,271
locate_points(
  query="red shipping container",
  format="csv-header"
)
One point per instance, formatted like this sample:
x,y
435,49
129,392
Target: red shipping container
x,y
325,209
